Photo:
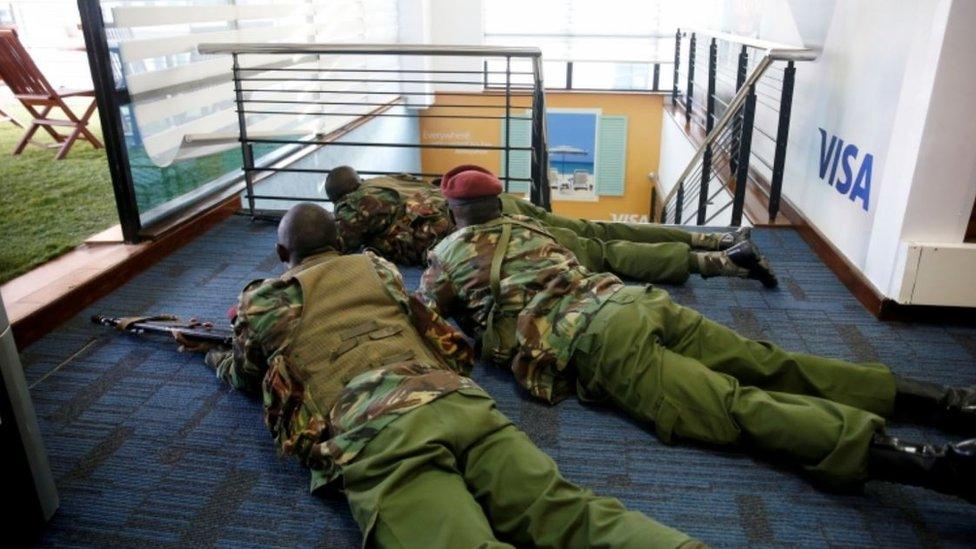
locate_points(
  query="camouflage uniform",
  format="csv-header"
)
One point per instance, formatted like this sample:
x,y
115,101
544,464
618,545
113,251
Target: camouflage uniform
x,y
660,362
398,217
402,218
413,441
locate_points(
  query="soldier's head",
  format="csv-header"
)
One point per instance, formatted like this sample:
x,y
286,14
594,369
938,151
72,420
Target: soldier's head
x,y
472,195
305,230
340,182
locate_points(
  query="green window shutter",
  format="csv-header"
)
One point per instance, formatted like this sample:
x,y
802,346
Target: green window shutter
x,y
611,156
520,165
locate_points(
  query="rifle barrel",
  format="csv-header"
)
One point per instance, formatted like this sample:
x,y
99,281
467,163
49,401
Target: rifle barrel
x,y
198,333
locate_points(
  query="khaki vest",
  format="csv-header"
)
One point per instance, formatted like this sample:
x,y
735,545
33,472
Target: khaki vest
x,y
402,187
349,325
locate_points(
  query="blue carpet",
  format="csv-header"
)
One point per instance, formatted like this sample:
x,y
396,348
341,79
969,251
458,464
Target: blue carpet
x,y
148,449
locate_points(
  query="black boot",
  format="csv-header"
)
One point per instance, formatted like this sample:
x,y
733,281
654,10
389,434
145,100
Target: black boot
x,y
746,255
735,237
950,468
950,408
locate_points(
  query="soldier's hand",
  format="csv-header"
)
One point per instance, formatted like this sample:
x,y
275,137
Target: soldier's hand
x,y
193,346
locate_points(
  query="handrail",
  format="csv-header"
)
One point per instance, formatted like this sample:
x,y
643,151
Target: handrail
x,y
371,49
771,55
754,42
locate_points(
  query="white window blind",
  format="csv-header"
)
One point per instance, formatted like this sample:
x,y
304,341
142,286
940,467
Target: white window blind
x,y
579,30
612,44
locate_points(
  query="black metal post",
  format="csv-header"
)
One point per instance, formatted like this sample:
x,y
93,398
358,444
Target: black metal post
x,y
740,78
656,80
110,99
539,192
706,174
677,66
484,70
679,202
569,75
710,100
782,137
247,153
742,166
689,96
508,115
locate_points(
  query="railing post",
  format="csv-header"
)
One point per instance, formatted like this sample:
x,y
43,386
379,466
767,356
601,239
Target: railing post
x,y
656,79
246,151
109,99
539,187
745,149
689,96
740,78
677,66
508,115
679,202
782,137
569,75
706,175
485,72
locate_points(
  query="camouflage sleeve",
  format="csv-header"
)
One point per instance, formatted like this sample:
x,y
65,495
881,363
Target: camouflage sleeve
x,y
265,313
441,335
436,290
362,214
351,225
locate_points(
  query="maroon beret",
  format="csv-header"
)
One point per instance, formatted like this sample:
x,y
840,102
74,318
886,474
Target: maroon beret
x,y
470,184
463,168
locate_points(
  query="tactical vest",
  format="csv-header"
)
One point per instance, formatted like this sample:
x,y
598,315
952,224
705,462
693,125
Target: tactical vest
x,y
500,338
349,325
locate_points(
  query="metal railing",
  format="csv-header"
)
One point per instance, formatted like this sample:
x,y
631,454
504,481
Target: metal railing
x,y
735,95
528,97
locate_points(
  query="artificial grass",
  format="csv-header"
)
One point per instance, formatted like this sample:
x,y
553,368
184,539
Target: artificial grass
x,y
49,206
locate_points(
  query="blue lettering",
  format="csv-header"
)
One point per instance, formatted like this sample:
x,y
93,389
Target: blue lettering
x,y
844,185
836,161
825,153
862,186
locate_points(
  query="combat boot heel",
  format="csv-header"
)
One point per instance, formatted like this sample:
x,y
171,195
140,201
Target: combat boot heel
x,y
949,468
949,408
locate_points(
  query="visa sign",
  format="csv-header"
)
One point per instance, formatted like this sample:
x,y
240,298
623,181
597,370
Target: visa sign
x,y
836,156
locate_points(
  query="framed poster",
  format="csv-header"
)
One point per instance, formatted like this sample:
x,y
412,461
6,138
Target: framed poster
x,y
572,153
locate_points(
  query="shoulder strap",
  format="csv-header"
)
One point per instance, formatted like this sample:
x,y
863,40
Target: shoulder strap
x,y
496,262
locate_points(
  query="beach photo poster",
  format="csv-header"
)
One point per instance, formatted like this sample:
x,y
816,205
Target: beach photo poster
x,y
572,153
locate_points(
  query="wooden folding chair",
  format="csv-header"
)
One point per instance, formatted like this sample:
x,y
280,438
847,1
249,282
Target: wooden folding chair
x,y
30,87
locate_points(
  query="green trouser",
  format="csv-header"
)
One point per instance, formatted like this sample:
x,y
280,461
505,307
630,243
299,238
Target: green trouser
x,y
456,472
665,263
643,252
693,378
602,230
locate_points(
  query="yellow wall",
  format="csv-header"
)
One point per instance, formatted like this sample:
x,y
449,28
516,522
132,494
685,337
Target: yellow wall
x,y
644,114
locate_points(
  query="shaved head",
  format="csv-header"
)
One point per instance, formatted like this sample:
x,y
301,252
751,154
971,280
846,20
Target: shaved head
x,y
340,182
475,211
305,230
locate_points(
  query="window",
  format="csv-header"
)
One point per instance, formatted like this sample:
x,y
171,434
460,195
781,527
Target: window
x,y
612,44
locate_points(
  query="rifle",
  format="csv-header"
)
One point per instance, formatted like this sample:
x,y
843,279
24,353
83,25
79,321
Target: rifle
x,y
192,331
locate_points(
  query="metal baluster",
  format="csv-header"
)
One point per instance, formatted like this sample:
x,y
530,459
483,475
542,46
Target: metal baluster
x,y
740,78
656,80
677,66
508,115
569,75
742,166
689,96
706,174
782,138
246,151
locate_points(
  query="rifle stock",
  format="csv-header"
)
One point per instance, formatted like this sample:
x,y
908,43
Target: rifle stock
x,y
192,330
